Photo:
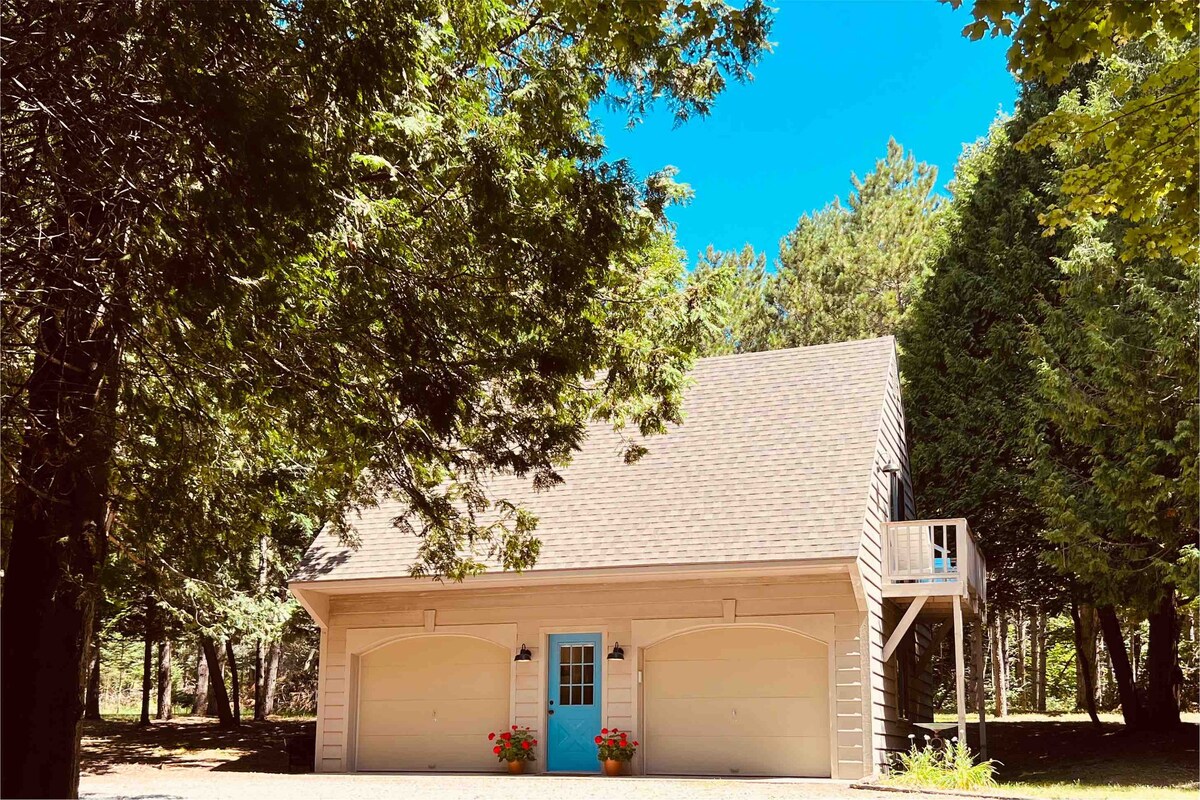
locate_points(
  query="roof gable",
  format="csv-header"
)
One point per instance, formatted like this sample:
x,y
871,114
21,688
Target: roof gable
x,y
773,462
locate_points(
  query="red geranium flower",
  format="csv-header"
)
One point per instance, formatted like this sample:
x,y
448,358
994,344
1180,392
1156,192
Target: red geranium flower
x,y
624,736
604,730
514,727
635,744
496,749
506,736
491,736
612,742
599,739
525,745
535,742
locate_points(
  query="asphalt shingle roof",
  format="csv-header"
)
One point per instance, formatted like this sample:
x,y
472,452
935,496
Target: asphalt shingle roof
x,y
773,462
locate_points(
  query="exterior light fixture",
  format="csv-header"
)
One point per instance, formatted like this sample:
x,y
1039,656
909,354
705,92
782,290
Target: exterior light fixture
x,y
523,654
618,653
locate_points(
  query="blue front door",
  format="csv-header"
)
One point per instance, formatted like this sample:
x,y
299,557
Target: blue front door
x,y
574,702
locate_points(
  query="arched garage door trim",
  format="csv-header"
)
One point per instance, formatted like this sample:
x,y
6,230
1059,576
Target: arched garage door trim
x,y
786,723
735,625
482,692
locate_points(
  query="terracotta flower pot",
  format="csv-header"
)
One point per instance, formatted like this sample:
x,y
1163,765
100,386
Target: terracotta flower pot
x,y
613,767
516,767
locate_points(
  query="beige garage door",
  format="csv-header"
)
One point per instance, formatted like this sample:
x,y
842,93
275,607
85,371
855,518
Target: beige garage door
x,y
737,701
428,703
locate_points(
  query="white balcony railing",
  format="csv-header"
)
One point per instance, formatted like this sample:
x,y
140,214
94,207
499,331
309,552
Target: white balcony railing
x,y
933,554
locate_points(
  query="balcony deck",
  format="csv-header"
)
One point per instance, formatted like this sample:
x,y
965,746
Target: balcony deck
x,y
935,559
934,569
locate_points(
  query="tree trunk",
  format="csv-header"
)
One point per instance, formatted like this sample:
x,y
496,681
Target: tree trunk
x,y
216,683
234,683
92,704
200,699
221,662
1104,679
1135,646
260,677
59,537
1114,641
1163,674
1040,676
1085,663
276,654
973,676
1186,701
59,515
147,672
1019,661
1087,629
165,687
1031,688
999,667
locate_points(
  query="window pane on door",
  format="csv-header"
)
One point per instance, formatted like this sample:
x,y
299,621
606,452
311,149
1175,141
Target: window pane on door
x,y
576,675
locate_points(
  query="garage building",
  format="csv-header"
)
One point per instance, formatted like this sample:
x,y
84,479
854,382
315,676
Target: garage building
x,y
751,598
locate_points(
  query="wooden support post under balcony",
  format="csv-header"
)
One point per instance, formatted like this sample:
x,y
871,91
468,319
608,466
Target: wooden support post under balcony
x,y
960,669
980,696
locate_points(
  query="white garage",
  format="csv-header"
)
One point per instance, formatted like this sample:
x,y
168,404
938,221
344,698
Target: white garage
x,y
737,701
427,703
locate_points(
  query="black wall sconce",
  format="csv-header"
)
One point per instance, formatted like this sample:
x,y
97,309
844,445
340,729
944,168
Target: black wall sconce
x,y
523,654
618,653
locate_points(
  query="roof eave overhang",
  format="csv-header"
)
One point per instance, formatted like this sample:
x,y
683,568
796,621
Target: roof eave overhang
x,y
590,575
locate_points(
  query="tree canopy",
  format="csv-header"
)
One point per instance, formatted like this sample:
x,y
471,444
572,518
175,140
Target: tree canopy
x,y
373,247
851,272
1047,318
968,370
845,272
743,314
1133,134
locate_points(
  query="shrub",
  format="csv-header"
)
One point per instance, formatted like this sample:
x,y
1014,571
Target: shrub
x,y
952,767
614,744
517,744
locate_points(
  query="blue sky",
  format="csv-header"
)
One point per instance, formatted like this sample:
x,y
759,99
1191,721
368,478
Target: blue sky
x,y
844,76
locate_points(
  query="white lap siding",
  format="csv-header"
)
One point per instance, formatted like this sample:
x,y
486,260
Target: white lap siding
x,y
821,605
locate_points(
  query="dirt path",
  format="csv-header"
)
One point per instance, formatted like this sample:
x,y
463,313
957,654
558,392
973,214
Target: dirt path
x,y
189,742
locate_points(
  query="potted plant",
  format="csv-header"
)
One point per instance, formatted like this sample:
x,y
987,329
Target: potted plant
x,y
516,746
614,748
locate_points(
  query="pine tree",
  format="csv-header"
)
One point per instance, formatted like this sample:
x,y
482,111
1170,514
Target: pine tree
x,y
745,319
853,271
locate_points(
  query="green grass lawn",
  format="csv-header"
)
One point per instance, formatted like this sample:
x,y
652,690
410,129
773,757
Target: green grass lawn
x,y
1064,756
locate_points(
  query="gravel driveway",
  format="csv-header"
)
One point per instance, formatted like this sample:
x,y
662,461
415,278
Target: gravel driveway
x,y
150,783
194,759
